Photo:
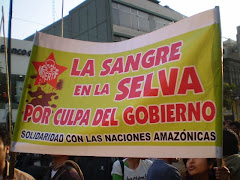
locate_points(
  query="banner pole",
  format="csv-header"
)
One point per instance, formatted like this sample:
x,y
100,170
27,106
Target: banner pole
x,y
8,69
12,154
62,18
217,19
8,119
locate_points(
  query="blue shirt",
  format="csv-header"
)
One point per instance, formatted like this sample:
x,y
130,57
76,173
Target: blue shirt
x,y
161,170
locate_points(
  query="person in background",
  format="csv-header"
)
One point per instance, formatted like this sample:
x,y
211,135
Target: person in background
x,y
235,126
5,141
226,123
204,169
62,168
162,169
230,153
5,117
134,168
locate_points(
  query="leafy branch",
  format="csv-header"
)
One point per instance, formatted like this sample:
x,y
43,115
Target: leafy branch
x,y
228,92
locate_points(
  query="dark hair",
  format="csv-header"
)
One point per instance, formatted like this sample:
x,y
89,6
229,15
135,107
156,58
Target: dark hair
x,y
235,123
230,142
5,137
186,175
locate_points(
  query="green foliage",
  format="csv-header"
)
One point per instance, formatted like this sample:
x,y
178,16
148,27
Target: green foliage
x,y
228,98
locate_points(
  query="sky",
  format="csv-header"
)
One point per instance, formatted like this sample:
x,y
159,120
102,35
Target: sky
x,y
30,16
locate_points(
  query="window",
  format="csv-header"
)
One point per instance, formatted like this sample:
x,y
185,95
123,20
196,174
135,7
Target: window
x,y
136,19
16,89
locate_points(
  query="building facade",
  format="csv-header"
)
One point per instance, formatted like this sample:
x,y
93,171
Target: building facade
x,y
113,20
20,54
231,65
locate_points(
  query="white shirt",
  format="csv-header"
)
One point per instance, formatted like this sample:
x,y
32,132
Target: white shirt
x,y
140,173
53,173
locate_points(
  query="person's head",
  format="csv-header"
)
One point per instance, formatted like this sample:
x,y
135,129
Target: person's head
x,y
198,167
235,126
230,142
59,158
226,123
5,141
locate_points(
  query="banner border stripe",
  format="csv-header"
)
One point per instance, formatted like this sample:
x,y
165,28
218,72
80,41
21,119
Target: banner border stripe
x,y
126,151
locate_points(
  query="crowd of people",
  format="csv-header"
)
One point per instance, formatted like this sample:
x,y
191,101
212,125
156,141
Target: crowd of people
x,y
64,167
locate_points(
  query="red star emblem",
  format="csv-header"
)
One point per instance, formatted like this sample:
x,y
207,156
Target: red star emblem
x,y
48,71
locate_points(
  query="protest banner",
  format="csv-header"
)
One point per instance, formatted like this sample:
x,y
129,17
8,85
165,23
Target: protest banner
x,y
156,95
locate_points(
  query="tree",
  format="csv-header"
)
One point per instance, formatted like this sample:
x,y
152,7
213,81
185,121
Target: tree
x,y
228,92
